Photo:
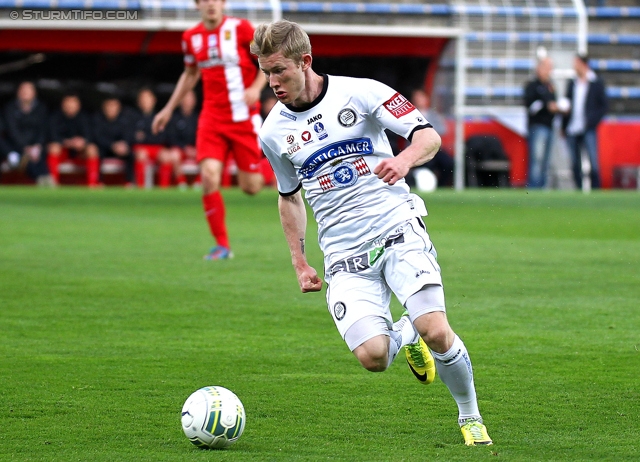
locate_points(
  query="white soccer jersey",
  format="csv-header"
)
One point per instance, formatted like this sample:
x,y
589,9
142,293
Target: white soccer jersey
x,y
331,148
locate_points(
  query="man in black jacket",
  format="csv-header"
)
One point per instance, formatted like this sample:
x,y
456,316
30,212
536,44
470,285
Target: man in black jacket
x,y
25,125
588,99
149,147
113,134
540,101
70,136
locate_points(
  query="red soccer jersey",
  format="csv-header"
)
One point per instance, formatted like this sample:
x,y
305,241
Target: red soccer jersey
x,y
226,66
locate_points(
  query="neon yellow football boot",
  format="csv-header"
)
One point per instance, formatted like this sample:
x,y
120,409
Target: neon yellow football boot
x,y
420,360
475,433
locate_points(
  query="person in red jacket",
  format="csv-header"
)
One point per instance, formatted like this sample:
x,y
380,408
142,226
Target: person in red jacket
x,y
217,49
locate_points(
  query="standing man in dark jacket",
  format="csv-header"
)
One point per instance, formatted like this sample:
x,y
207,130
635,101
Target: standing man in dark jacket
x,y
26,125
113,134
588,99
540,101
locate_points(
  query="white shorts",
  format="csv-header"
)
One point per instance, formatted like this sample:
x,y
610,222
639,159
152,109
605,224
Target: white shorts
x,y
401,261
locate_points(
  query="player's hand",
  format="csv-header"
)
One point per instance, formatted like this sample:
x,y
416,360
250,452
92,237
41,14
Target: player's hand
x,y
251,96
160,121
308,280
391,170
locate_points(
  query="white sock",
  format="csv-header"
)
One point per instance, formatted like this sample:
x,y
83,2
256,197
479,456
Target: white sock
x,y
402,333
455,371
405,328
395,343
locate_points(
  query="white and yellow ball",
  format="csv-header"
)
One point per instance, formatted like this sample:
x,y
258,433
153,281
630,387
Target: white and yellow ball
x,y
213,417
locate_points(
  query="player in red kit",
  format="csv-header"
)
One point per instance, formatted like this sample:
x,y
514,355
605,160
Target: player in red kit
x,y
217,49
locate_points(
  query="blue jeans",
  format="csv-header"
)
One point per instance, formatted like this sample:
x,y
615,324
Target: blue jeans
x,y
589,141
540,142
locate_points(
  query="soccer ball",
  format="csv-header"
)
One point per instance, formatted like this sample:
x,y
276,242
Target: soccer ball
x,y
213,417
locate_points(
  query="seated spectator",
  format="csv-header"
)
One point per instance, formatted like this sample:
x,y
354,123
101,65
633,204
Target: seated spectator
x,y
442,164
26,121
5,149
181,136
150,148
70,138
113,135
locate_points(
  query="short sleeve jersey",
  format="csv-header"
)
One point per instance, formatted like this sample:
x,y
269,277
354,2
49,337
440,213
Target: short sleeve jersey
x,y
226,65
331,149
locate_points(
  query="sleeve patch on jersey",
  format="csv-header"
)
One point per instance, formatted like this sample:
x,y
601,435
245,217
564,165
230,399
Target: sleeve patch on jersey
x,y
398,105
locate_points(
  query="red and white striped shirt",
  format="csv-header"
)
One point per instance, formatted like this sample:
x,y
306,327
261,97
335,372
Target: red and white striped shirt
x,y
226,66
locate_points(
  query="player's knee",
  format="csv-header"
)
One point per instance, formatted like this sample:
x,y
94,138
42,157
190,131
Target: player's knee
x,y
250,183
435,330
373,355
439,337
210,181
374,363
251,189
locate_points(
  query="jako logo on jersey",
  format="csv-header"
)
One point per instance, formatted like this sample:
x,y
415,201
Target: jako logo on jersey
x,y
398,105
362,146
313,119
288,116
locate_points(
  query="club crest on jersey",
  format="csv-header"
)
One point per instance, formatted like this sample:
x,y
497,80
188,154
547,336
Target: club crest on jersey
x,y
339,310
315,161
398,105
196,42
344,174
318,127
347,117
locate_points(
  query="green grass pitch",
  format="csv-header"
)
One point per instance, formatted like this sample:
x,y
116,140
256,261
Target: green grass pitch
x,y
109,319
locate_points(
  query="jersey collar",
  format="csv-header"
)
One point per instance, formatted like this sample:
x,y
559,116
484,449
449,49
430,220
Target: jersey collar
x,y
315,102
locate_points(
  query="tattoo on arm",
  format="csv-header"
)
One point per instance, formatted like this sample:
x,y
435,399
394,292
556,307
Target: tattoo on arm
x,y
302,245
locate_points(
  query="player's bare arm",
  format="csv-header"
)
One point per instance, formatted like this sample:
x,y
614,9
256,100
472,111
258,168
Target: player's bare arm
x,y
186,83
424,146
293,217
252,93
